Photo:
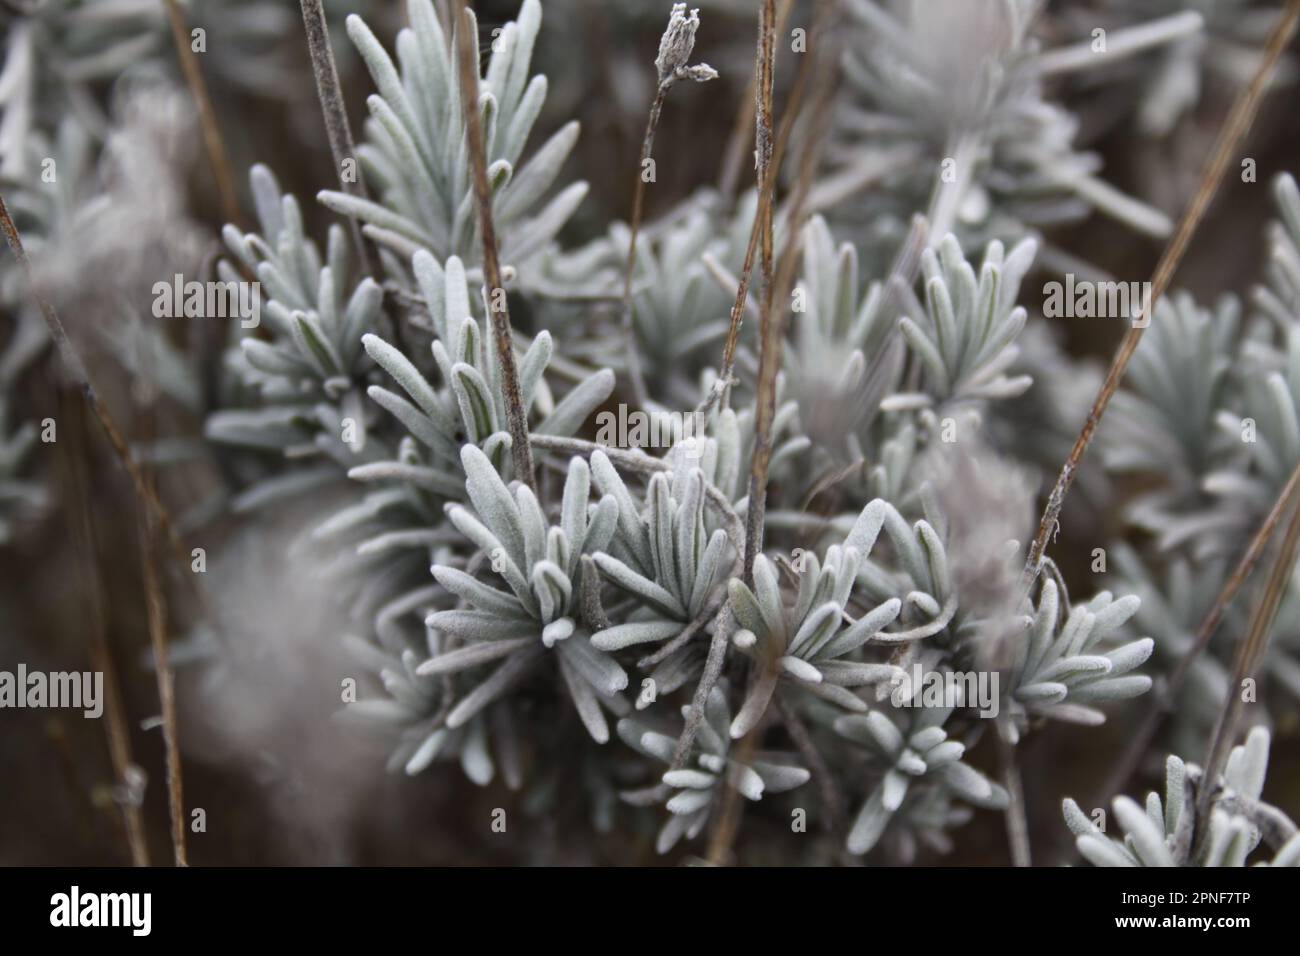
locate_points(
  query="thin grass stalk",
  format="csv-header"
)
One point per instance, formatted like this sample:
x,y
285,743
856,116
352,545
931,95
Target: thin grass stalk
x,y
772,332
156,614
213,142
77,370
517,417
769,354
337,127
1161,703
777,289
1249,654
733,158
632,357
1231,136
116,731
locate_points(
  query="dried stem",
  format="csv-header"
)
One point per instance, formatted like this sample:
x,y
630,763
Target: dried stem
x,y
337,128
638,202
696,624
733,159
1162,700
91,587
517,417
722,387
1250,651
762,215
77,370
772,323
771,332
675,48
728,819
1233,132
712,670
766,198
769,323
212,141
157,613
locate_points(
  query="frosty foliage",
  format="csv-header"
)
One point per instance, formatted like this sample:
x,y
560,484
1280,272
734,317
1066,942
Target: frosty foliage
x,y
418,157
1161,833
619,605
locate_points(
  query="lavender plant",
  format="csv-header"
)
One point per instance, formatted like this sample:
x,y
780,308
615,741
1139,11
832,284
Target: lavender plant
x,y
592,585
309,381
1165,831
805,598
1210,410
418,156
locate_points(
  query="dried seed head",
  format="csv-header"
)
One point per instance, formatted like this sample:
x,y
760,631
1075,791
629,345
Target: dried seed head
x,y
675,48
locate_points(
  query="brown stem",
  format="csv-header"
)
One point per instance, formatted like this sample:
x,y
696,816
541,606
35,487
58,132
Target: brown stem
x,y
73,473
1250,651
762,212
712,671
733,159
771,329
212,141
77,370
772,322
1161,703
337,128
769,352
1233,132
517,418
638,203
733,808
157,613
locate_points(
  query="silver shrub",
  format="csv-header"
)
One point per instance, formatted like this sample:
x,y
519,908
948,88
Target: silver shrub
x,y
1161,832
497,622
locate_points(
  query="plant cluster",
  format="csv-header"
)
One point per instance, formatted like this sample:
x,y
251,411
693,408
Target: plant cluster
x,y
813,599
